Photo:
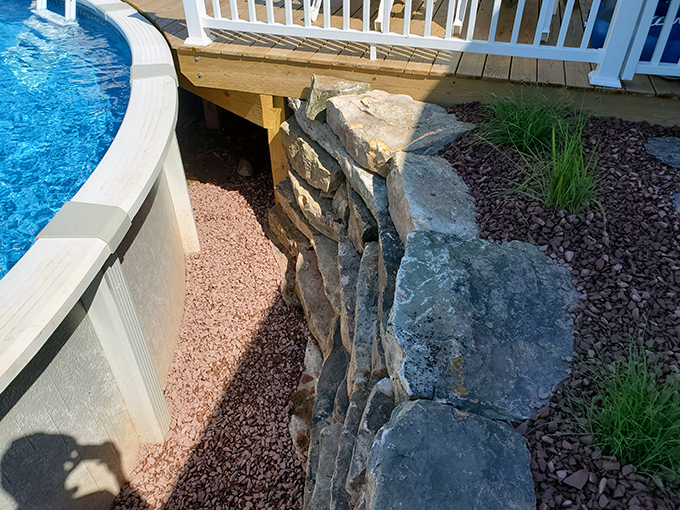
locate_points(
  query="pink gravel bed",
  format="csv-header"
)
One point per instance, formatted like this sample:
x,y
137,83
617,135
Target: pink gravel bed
x,y
238,359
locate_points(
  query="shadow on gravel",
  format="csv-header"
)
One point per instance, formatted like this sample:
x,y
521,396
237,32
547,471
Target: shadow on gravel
x,y
245,457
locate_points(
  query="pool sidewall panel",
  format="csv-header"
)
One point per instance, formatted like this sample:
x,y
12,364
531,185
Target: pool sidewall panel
x,y
152,260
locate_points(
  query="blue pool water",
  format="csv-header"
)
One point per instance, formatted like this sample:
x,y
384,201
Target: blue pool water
x,y
64,88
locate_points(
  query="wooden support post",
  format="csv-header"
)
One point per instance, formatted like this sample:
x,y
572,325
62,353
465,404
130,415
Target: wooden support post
x,y
212,115
277,153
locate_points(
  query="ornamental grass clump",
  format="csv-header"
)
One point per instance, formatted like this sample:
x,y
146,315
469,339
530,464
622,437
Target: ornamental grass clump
x,y
565,179
525,123
634,415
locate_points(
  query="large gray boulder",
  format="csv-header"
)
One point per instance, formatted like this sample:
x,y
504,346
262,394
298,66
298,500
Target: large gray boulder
x,y
376,413
321,318
317,210
365,317
479,325
425,193
325,87
666,149
361,226
308,159
376,125
431,455
369,185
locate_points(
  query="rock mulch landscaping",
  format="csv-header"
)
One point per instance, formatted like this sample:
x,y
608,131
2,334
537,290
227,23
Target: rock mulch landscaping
x,y
239,356
628,271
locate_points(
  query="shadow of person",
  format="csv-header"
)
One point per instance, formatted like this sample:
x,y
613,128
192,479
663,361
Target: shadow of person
x,y
53,471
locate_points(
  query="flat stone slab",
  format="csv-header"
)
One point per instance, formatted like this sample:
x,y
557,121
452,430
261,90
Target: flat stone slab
x,y
325,87
425,193
327,259
331,376
665,149
340,498
433,456
370,186
317,210
328,450
286,199
390,253
375,125
348,265
482,326
321,318
303,400
290,237
341,203
365,317
308,159
377,412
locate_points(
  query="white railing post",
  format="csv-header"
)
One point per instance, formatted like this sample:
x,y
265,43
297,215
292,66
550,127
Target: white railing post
x,y
70,10
622,29
41,5
195,13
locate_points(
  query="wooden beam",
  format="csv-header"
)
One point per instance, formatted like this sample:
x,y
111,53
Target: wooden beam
x,y
293,80
247,105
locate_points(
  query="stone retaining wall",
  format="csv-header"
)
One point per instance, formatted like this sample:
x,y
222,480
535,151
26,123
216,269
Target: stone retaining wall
x,y
427,341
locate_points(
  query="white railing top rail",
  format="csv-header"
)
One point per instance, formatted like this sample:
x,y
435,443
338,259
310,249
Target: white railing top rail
x,y
543,29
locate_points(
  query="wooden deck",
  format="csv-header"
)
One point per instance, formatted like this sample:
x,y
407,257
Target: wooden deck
x,y
423,64
251,74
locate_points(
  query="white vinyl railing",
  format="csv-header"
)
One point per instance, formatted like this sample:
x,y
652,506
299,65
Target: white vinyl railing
x,y
547,29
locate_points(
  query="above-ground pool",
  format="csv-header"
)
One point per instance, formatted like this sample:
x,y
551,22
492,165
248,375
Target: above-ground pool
x,y
65,87
90,314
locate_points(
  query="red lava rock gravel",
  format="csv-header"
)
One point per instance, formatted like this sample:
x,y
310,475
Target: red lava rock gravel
x,y
238,359
628,270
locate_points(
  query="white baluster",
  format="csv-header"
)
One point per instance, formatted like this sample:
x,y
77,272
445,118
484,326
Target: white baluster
x,y
494,20
566,19
429,7
518,21
233,6
70,9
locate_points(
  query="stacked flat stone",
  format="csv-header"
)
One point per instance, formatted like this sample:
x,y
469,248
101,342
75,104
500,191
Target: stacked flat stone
x,y
426,338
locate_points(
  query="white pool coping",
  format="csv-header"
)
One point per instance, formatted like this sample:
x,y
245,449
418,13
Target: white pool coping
x,y
42,288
